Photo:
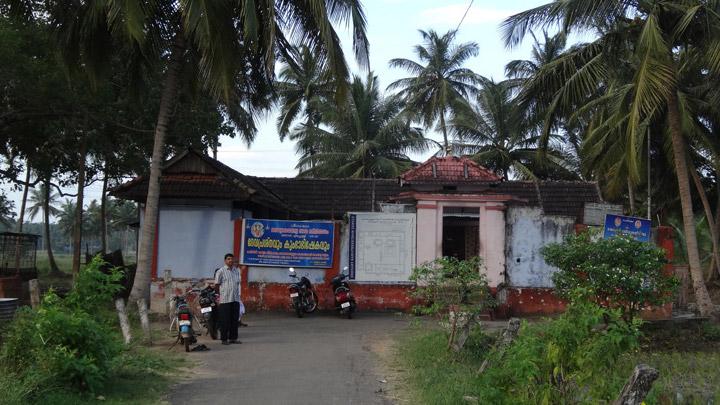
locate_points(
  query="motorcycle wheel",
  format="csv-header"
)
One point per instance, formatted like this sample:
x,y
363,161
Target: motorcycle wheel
x,y
186,342
311,304
349,313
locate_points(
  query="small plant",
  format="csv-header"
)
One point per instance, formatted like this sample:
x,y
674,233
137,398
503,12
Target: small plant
x,y
93,287
617,272
456,288
449,282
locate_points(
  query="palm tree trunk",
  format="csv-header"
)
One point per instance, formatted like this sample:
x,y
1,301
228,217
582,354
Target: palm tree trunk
x,y
77,228
710,218
702,298
21,215
717,230
141,284
631,197
446,144
103,214
48,245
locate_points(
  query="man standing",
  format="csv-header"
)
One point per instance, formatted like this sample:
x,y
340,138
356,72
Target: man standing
x,y
228,278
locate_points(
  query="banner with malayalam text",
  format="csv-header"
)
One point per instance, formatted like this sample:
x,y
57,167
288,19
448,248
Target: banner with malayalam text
x,y
268,242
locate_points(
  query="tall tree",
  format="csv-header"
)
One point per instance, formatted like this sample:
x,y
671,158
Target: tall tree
x,y
367,136
304,83
440,84
7,213
659,33
43,200
499,136
223,43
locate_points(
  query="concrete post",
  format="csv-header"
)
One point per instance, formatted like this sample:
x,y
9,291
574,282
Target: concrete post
x,y
34,288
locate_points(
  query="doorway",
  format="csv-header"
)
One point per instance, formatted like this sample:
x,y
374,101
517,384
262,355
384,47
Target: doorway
x,y
461,228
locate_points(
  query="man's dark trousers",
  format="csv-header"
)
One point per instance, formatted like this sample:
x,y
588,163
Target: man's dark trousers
x,y
229,320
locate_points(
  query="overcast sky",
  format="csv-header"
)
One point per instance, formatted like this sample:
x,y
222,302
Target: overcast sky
x,y
392,32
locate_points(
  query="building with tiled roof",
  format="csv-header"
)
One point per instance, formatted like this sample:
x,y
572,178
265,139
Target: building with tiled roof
x,y
450,206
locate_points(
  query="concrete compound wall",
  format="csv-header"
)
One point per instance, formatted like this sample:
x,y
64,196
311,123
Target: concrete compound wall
x,y
265,288
528,230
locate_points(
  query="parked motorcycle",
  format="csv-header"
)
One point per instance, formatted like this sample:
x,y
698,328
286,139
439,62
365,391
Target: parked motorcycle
x,y
303,296
208,301
344,299
183,320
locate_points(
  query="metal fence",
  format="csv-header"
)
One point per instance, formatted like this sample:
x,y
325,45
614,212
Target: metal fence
x,y
18,255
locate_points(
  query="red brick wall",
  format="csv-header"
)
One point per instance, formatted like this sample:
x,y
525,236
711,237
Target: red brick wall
x,y
369,297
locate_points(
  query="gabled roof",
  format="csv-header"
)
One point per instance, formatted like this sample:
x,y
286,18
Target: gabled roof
x,y
192,174
448,170
195,175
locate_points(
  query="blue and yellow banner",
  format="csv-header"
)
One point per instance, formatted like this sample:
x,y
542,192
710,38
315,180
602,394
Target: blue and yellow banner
x,y
278,243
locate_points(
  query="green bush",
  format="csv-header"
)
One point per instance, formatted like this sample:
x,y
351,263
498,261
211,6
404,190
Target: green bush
x,y
711,331
563,360
94,288
617,272
65,342
447,281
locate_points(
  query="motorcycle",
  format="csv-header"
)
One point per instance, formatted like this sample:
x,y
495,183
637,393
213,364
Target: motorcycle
x,y
208,301
303,296
344,299
183,320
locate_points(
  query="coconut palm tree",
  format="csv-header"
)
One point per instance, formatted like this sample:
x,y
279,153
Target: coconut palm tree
x,y
220,44
498,135
368,136
66,217
659,33
439,83
43,200
303,84
122,215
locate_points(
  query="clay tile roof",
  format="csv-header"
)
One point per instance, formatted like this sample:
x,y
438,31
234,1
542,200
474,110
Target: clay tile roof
x,y
192,174
331,196
567,198
449,169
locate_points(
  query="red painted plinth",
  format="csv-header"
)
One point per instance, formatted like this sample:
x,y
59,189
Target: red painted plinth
x,y
369,297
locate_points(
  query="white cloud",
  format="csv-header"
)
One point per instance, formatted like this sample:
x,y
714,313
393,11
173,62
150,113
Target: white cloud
x,y
451,15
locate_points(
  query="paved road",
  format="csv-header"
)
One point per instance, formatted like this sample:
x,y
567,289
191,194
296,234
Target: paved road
x,y
320,359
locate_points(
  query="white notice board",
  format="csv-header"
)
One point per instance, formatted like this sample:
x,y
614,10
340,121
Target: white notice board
x,y
382,246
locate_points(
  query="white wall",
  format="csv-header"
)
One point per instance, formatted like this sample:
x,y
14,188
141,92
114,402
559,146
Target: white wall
x,y
385,246
528,230
193,239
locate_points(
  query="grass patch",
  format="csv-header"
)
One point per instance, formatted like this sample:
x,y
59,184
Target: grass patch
x,y
140,376
436,375
687,357
63,261
685,377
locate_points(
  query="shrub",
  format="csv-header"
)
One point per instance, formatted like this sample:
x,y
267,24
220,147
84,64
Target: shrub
x,y
65,342
93,288
617,272
563,360
447,281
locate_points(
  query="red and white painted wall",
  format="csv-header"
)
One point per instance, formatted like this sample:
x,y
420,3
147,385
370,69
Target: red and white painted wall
x,y
192,240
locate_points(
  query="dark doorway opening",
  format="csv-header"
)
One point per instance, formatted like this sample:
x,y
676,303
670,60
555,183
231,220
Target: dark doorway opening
x,y
461,232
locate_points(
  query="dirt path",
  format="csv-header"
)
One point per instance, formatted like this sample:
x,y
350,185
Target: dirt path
x,y
320,359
